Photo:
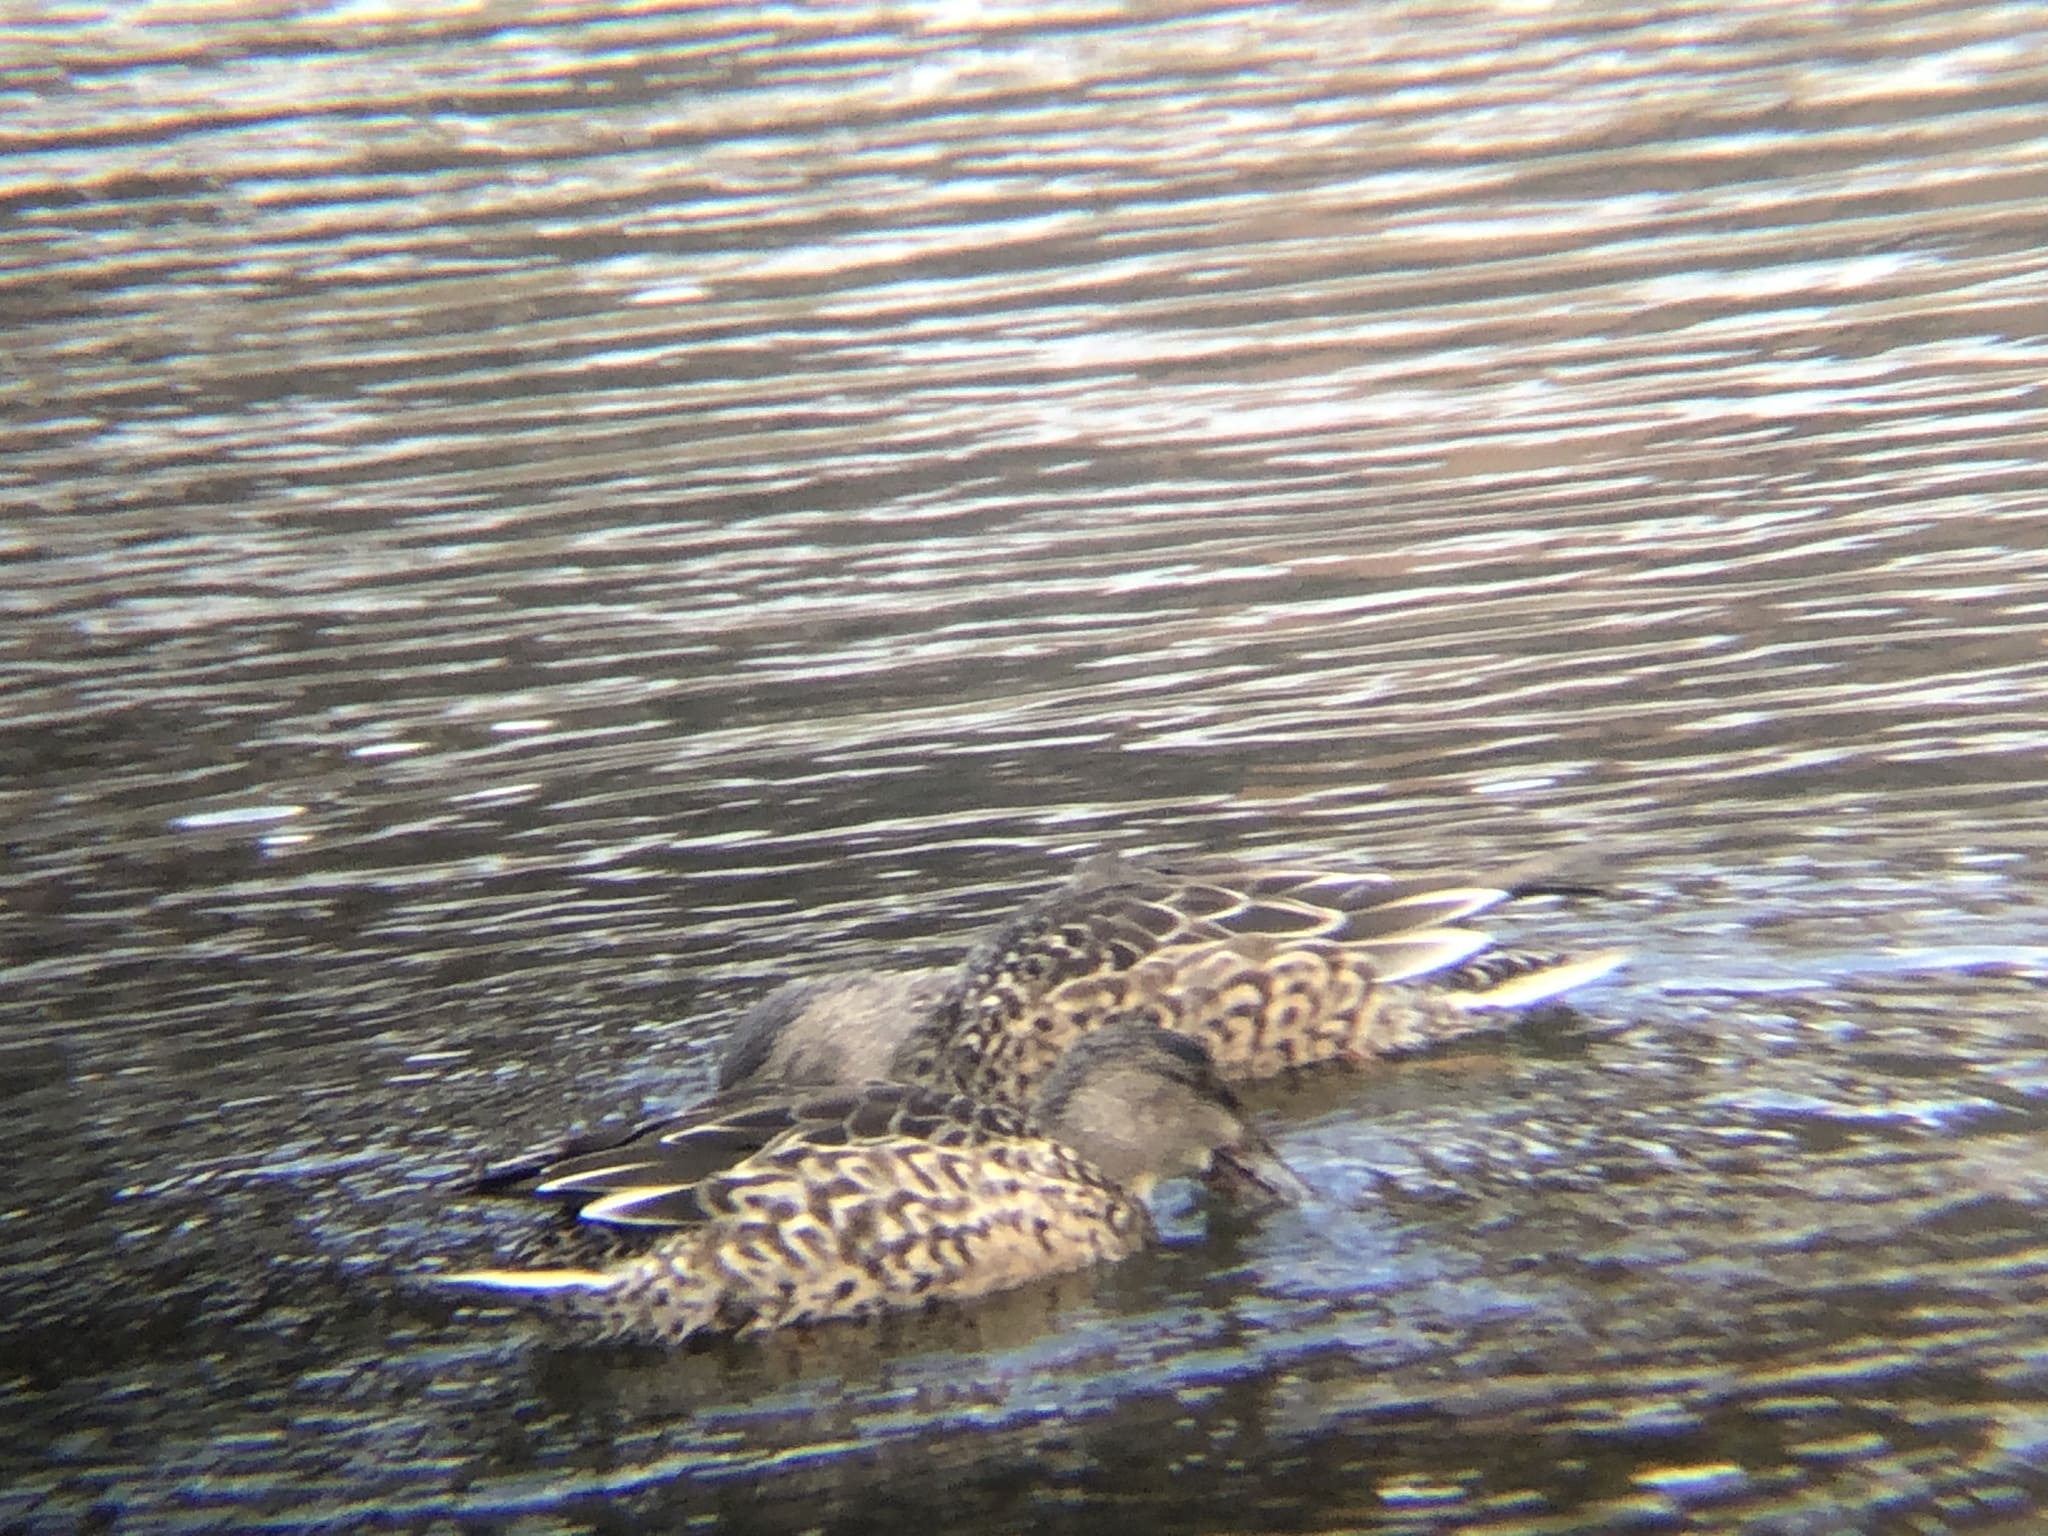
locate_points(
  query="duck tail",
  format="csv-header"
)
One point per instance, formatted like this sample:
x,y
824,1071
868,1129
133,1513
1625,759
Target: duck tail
x,y
568,1284
647,1299
1507,978
1481,995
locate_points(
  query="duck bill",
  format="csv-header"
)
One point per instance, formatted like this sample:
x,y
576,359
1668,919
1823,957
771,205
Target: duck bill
x,y
1251,1176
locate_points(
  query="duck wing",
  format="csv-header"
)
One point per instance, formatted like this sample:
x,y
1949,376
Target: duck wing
x,y
670,1173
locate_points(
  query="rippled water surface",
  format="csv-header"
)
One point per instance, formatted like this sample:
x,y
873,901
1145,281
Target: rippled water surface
x,y
527,524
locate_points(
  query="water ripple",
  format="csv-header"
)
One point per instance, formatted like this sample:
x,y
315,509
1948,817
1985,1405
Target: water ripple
x,y
524,531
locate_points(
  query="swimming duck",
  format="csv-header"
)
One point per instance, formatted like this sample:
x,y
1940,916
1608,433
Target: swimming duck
x,y
1272,968
769,1209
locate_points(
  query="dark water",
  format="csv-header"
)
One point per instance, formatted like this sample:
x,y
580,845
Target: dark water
x,y
527,525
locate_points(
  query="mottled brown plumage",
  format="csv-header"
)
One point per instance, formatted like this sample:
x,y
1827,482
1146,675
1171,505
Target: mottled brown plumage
x,y
1272,968
771,1209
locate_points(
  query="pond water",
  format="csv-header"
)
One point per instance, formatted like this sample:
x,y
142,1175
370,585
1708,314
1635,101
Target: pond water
x,y
528,524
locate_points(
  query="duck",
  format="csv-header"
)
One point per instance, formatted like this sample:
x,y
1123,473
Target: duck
x,y
843,1027
772,1209
1274,968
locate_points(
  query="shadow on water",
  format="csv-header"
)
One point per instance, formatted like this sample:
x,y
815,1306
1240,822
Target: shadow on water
x,y
526,531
